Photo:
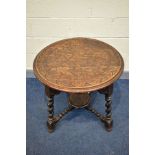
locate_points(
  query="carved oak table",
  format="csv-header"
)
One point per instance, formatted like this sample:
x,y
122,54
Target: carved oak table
x,y
78,66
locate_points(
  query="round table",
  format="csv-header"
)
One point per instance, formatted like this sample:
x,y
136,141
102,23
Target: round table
x,y
78,66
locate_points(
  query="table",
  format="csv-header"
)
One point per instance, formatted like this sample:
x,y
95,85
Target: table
x,y
78,66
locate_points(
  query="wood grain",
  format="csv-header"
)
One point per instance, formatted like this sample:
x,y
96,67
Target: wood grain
x,y
78,65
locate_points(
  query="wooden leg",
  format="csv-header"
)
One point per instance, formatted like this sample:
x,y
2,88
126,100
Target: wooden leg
x,y
51,119
108,98
108,105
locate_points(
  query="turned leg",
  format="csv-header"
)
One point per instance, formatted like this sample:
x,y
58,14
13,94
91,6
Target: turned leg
x,y
108,105
107,119
51,122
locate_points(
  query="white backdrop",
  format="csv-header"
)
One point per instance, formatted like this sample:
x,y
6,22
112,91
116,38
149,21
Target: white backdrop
x,y
52,20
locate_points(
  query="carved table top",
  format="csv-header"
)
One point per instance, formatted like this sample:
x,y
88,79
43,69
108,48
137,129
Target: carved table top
x,y
78,65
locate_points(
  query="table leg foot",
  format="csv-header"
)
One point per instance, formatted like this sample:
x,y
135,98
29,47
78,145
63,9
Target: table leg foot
x,y
108,125
51,126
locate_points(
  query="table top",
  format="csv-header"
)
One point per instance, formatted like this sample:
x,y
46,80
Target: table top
x,y
78,65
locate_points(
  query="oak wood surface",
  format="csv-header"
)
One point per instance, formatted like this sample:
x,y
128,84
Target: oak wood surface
x,y
78,65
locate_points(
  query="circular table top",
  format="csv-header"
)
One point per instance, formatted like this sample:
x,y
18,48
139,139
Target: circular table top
x,y
78,65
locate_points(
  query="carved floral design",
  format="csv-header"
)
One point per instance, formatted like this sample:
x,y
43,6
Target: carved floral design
x,y
78,63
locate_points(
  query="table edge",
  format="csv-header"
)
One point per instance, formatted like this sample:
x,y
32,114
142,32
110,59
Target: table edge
x,y
77,90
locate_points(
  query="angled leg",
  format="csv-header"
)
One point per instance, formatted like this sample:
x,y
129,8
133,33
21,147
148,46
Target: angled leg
x,y
51,119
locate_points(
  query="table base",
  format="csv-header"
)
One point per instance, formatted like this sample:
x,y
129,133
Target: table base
x,y
79,100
